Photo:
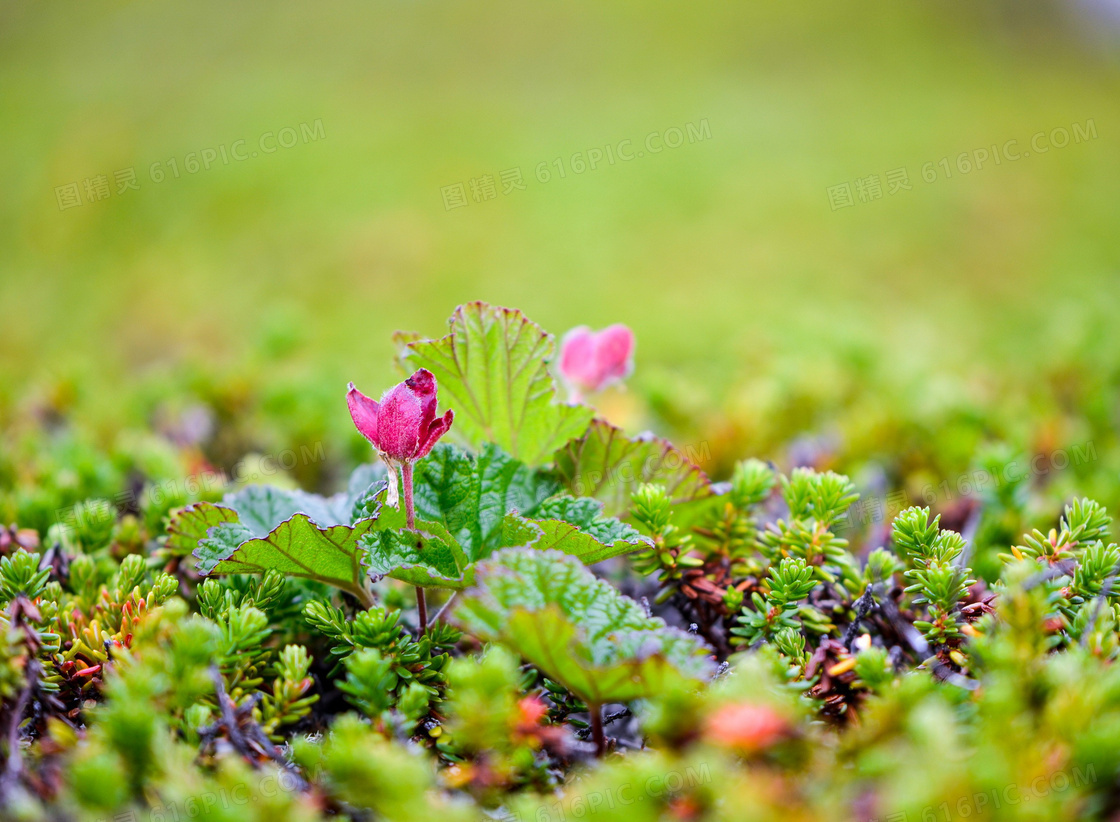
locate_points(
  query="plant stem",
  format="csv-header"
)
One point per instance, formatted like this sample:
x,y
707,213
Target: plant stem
x,y
410,523
363,596
596,714
422,607
409,509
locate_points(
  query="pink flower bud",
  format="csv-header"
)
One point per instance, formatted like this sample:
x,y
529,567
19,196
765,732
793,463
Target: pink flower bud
x,y
403,426
590,360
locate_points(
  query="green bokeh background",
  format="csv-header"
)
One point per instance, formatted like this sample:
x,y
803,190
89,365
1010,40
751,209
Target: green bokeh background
x,y
723,254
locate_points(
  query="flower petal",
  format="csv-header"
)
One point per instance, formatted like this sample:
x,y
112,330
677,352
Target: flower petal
x,y
614,354
363,410
423,385
435,430
577,358
398,423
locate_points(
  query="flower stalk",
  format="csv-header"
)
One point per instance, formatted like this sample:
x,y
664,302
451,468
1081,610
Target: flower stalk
x,y
404,428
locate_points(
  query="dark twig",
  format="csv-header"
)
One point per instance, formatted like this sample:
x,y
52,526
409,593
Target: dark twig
x,y
19,613
946,674
607,720
904,629
229,718
862,606
13,766
250,740
968,533
918,644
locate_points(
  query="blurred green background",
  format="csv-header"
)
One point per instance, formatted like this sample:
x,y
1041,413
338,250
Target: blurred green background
x,y
761,311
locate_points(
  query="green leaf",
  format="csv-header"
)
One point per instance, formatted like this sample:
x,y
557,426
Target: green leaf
x,y
467,507
298,547
262,528
492,369
578,629
428,557
575,527
190,525
262,507
606,464
471,496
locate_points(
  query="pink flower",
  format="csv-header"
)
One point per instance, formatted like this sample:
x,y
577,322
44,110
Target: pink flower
x,y
403,427
590,360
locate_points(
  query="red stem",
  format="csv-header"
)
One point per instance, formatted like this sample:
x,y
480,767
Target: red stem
x,y
409,510
422,607
410,523
596,714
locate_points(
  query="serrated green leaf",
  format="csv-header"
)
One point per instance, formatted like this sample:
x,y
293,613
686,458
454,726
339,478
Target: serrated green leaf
x,y
587,513
578,629
190,525
462,502
575,527
428,557
300,547
262,528
261,508
492,369
471,496
606,464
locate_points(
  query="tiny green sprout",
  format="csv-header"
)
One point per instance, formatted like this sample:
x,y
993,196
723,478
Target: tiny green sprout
x,y
751,483
823,497
790,643
915,534
651,507
93,522
369,682
881,565
20,575
874,669
130,575
789,582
